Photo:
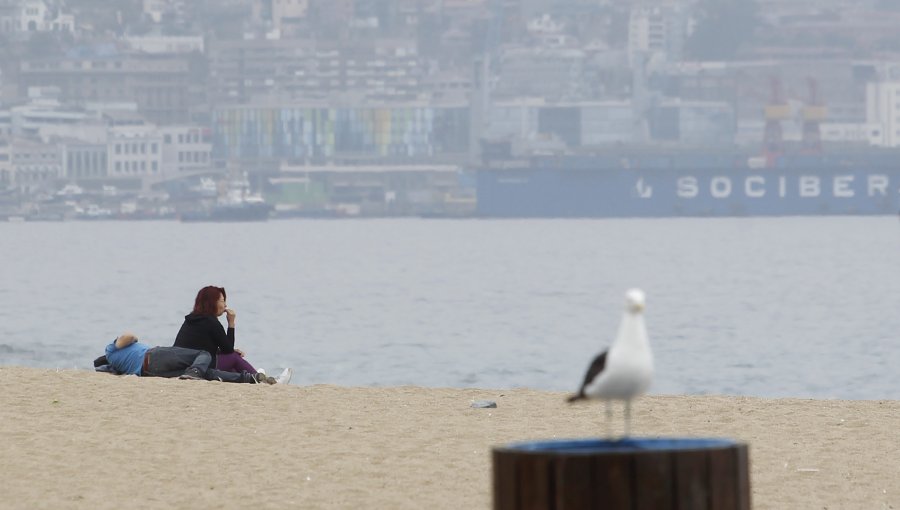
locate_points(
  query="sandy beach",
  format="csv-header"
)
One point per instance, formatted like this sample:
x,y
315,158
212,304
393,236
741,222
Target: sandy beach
x,y
80,439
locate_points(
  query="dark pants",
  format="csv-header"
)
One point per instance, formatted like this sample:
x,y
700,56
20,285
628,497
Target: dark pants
x,y
173,361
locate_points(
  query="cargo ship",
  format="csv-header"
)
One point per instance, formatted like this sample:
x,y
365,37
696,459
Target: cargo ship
x,y
648,185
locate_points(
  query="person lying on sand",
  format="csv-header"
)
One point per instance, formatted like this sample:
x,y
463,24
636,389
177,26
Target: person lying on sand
x,y
128,356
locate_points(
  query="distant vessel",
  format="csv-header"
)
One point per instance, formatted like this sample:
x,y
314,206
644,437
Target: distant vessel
x,y
93,212
237,205
231,212
651,185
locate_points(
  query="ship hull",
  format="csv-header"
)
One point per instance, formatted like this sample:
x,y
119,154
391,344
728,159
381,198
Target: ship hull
x,y
231,213
623,192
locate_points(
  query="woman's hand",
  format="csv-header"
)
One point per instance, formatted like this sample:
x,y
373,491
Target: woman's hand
x,y
240,352
230,315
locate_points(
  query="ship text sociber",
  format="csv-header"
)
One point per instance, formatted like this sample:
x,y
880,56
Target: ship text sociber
x,y
804,186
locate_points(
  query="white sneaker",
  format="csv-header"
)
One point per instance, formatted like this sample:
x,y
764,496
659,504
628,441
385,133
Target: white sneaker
x,y
261,371
284,377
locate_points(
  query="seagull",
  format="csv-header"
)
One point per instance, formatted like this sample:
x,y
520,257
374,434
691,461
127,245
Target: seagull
x,y
625,370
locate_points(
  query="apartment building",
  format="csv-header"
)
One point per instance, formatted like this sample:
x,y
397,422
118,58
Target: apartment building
x,y
43,113
551,73
303,69
883,111
160,85
657,30
134,152
34,164
185,149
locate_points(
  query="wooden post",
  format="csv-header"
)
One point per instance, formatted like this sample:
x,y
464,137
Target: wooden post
x,y
630,474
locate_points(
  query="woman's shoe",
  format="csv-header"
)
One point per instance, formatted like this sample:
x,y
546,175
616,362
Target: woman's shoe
x,y
285,376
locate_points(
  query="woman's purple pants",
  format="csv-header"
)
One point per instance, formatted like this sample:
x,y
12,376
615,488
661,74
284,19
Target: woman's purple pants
x,y
233,362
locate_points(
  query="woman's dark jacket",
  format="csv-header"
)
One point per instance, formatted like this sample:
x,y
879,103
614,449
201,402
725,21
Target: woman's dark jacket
x,y
205,333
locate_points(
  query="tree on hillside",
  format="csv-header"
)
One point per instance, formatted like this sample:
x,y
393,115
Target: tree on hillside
x,y
723,26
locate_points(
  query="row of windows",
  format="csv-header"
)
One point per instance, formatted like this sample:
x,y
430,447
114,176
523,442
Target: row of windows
x,y
135,166
28,175
193,157
184,138
136,148
28,155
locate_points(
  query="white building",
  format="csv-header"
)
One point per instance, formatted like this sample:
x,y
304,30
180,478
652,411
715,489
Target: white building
x,y
883,113
43,111
61,23
35,16
288,12
185,149
34,164
548,31
32,16
84,160
657,30
134,151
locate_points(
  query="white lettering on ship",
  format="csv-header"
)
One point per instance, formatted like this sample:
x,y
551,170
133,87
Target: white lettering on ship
x,y
758,191
809,186
804,186
720,187
687,187
842,186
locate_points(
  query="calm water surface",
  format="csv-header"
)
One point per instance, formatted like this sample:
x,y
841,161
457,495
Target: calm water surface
x,y
803,307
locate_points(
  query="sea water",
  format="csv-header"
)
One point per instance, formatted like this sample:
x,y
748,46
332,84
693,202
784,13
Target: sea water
x,y
772,307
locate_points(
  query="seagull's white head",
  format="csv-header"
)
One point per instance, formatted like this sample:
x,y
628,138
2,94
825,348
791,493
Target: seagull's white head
x,y
634,300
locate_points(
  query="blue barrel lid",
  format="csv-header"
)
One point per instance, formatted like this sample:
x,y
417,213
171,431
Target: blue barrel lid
x,y
624,445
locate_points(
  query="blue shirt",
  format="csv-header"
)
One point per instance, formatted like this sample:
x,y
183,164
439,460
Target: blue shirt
x,y
127,360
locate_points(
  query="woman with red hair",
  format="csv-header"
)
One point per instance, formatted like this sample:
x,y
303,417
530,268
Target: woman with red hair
x,y
202,330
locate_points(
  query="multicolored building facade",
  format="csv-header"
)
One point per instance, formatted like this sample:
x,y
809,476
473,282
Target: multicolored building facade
x,y
298,133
